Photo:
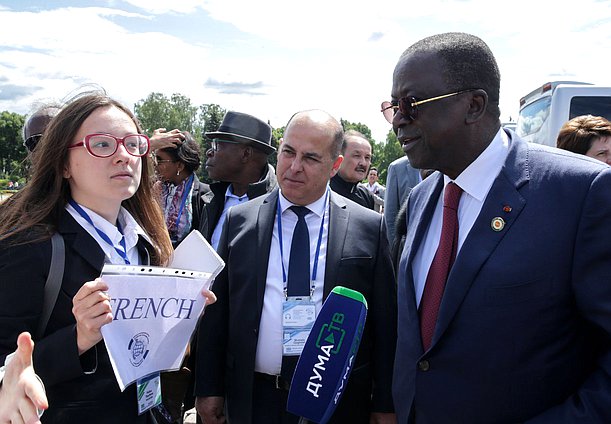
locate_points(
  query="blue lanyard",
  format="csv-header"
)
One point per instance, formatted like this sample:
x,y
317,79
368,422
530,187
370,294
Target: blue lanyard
x,y
322,224
102,234
184,199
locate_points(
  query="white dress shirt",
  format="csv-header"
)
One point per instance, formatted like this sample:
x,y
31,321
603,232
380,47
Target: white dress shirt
x,y
475,181
130,227
230,200
269,347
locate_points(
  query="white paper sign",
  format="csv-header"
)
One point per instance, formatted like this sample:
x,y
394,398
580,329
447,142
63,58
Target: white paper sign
x,y
155,311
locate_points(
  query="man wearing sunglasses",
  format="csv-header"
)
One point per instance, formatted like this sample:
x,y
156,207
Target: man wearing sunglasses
x,y
237,162
504,283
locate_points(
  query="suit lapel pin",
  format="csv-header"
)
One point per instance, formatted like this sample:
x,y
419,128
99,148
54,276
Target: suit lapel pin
x,y
506,208
497,223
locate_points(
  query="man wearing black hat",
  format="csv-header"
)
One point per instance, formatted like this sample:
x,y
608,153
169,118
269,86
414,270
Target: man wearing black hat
x,y
237,161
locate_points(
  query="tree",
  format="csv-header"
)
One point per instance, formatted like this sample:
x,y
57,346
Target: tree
x,y
157,111
211,115
389,151
12,150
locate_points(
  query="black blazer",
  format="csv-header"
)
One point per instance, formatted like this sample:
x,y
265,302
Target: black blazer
x,y
74,396
357,257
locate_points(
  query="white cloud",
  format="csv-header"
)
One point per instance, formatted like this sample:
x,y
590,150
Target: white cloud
x,y
334,55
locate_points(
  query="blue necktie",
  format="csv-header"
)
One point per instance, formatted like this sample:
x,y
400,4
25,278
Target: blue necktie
x,y
298,283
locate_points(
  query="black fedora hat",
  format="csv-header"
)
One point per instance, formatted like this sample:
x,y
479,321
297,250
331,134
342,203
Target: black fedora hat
x,y
244,128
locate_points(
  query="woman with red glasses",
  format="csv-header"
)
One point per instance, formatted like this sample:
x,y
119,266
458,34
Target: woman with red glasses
x,y
91,184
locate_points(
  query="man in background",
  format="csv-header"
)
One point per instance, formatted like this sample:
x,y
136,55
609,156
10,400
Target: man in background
x,y
400,179
375,188
237,162
356,150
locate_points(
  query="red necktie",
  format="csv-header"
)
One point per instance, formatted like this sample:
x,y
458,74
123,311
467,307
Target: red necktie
x,y
441,265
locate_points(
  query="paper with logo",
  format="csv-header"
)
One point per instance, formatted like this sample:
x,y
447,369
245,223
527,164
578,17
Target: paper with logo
x,y
155,311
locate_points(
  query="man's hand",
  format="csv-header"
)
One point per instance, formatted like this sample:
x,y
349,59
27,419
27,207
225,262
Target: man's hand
x,y
162,139
91,308
210,409
21,392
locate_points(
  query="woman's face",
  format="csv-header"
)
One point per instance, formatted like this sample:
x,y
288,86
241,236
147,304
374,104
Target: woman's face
x,y
166,167
601,150
101,184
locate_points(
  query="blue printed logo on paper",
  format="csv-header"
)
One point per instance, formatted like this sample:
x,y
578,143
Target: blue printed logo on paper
x,y
138,346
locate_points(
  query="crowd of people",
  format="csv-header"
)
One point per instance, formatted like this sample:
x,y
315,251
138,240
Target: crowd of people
x,y
485,261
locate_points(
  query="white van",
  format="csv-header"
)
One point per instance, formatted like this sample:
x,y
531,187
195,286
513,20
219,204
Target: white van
x,y
544,110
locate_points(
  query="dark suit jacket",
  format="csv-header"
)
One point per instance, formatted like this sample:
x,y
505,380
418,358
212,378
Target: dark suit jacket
x,y
357,258
73,395
214,201
524,327
353,191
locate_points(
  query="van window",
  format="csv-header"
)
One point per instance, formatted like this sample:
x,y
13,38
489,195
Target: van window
x,y
588,105
533,116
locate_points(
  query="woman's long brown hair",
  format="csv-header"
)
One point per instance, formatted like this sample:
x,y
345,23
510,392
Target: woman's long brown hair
x,y
33,213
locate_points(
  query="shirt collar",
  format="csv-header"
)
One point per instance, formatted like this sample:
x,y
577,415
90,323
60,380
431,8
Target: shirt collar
x,y
229,193
131,229
479,176
317,207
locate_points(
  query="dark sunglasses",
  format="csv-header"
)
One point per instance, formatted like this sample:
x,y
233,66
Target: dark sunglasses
x,y
408,106
31,142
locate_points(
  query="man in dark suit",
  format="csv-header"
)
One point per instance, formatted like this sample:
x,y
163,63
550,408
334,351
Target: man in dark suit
x,y
241,368
518,328
237,162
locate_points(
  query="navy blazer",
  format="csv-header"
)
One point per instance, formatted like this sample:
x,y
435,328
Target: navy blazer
x,y
524,327
73,395
357,257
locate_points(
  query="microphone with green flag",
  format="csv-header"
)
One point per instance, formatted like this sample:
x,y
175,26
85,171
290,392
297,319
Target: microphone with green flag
x,y
328,356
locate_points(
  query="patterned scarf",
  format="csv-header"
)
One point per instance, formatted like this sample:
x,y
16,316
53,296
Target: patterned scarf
x,y
172,197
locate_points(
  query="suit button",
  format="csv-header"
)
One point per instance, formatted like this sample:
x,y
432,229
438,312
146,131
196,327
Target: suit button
x,y
256,330
424,365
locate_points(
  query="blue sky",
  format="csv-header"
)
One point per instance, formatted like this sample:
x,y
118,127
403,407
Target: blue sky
x,y
271,58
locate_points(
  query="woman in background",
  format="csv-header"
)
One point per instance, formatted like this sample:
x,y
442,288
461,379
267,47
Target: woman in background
x,y
180,190
587,135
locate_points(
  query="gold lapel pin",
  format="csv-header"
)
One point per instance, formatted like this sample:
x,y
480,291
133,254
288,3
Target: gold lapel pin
x,y
497,223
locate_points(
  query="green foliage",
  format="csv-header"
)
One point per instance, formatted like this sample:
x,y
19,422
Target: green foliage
x,y
157,111
12,150
211,115
387,152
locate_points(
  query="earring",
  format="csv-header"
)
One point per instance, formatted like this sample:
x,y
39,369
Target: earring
x,y
177,173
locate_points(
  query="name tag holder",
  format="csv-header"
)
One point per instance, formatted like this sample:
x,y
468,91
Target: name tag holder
x,y
148,390
298,317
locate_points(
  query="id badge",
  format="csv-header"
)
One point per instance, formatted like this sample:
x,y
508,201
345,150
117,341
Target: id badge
x,y
298,317
149,392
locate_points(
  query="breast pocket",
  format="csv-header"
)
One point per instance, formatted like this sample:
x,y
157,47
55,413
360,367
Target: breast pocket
x,y
509,294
